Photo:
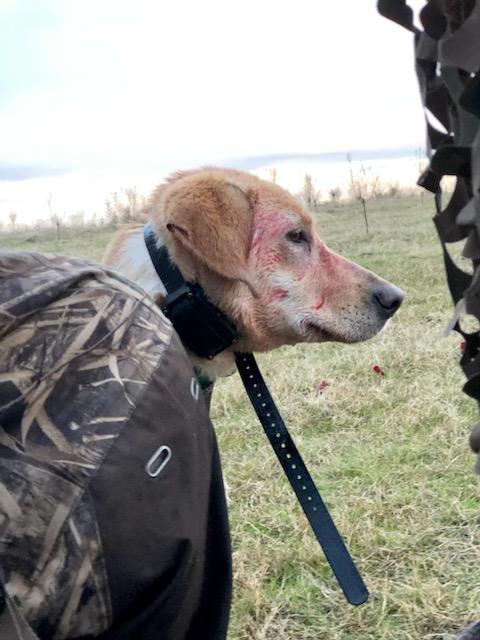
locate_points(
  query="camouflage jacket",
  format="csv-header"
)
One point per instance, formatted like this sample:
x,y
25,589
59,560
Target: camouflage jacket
x,y
93,381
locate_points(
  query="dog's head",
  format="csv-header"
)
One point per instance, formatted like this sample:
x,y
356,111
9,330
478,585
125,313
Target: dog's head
x,y
254,249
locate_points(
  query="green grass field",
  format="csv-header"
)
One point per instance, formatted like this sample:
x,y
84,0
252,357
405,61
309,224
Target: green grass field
x,y
390,454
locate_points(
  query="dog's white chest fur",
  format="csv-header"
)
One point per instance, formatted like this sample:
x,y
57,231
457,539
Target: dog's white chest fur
x,y
134,262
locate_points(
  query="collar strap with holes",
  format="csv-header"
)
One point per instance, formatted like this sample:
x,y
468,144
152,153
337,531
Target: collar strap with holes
x,y
297,473
186,322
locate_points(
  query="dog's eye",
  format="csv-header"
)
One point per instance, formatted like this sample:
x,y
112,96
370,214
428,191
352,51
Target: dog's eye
x,y
298,236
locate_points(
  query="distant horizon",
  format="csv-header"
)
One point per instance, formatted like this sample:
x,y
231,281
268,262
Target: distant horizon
x,y
74,191
20,172
404,151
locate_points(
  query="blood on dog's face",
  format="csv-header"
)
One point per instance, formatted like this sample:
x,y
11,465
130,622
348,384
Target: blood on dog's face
x,y
307,293
240,229
255,251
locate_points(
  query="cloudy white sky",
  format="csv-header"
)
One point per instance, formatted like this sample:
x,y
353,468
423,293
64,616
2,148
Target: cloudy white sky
x,y
134,85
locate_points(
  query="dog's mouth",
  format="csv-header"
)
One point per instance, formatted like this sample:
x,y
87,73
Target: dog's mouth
x,y
316,333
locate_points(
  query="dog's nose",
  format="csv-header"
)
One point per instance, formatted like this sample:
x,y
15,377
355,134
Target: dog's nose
x,y
388,297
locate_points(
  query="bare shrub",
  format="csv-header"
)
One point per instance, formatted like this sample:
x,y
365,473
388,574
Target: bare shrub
x,y
272,173
365,184
113,209
55,218
96,221
358,188
310,194
127,207
13,219
335,194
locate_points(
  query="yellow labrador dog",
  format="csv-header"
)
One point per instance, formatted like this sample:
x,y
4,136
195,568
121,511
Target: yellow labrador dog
x,y
254,250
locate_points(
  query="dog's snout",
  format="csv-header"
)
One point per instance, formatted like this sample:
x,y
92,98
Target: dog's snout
x,y
388,297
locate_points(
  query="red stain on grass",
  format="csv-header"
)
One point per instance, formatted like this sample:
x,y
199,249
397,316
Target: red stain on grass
x,y
378,370
323,384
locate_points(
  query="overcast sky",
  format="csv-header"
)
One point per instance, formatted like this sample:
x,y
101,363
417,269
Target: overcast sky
x,y
95,84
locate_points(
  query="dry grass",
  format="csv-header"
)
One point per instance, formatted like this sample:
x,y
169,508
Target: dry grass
x,y
388,453
83,242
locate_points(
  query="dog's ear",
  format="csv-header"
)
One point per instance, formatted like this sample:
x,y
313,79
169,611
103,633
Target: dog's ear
x,y
211,217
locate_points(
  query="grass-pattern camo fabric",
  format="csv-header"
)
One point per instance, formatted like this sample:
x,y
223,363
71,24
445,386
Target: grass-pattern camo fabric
x,y
68,331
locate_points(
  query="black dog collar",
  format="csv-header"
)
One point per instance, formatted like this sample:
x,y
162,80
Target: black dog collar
x,y
202,327
192,313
